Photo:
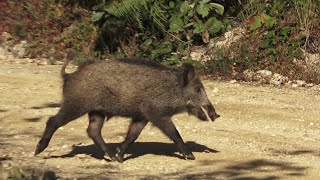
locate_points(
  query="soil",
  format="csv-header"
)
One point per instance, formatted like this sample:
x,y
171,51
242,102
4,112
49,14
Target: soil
x,y
263,133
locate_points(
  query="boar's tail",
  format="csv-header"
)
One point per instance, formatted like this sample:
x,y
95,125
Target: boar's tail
x,y
70,57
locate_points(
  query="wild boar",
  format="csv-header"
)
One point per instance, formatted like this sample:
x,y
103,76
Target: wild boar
x,y
136,88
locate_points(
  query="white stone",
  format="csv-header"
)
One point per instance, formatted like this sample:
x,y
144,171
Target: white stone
x,y
5,37
19,50
301,83
310,85
264,73
278,79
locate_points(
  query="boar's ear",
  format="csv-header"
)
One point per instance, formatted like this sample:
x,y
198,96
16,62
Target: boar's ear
x,y
188,73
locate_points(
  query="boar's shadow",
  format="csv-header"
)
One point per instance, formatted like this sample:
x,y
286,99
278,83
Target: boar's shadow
x,y
137,149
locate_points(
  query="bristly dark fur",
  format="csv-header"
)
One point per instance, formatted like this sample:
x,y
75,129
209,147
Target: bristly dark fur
x,y
142,61
133,60
136,88
86,63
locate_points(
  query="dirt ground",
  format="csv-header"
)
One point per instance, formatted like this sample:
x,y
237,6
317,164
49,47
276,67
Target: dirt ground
x,y
263,133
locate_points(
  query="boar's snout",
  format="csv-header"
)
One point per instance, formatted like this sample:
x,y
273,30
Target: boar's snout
x,y
208,113
205,112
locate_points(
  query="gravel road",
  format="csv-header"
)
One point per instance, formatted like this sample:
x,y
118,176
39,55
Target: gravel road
x,y
263,133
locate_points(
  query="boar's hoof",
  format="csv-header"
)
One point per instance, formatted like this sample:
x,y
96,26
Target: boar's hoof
x,y
119,155
119,158
189,156
41,146
109,157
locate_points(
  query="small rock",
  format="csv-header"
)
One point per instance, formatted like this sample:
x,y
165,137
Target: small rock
x,y
248,75
5,37
294,85
278,79
233,81
264,73
215,90
42,62
301,83
58,62
309,85
19,49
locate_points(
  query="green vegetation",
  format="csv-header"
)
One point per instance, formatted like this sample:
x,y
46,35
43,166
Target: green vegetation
x,y
160,30
276,32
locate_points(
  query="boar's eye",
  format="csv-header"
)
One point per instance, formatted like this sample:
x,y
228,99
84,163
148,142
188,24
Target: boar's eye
x,y
197,89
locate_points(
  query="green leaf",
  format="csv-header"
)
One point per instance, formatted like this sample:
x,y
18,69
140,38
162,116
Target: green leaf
x,y
171,4
213,25
184,8
218,8
285,31
172,60
147,42
176,24
191,13
96,16
99,7
270,21
164,48
199,27
271,51
271,34
203,10
256,23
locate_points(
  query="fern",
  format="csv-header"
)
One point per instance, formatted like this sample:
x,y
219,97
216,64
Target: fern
x,y
138,11
129,10
158,15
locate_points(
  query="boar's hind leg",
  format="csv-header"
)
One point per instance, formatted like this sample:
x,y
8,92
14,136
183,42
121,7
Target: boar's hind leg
x,y
169,129
135,128
96,120
63,117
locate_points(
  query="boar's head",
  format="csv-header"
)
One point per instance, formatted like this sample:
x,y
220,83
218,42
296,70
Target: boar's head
x,y
194,93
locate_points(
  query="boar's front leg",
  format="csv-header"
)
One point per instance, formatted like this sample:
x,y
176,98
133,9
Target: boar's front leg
x,y
96,120
65,115
135,128
168,128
